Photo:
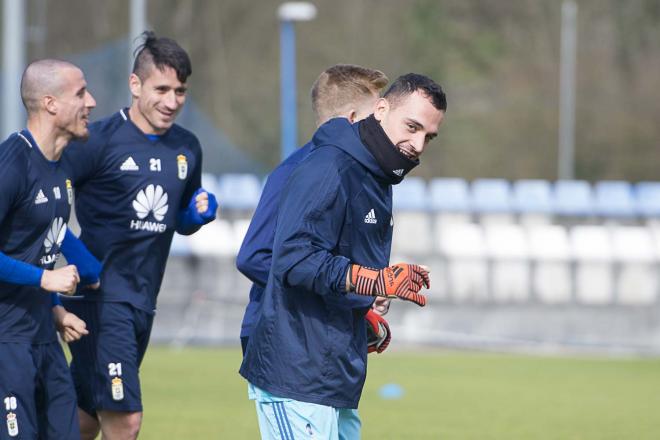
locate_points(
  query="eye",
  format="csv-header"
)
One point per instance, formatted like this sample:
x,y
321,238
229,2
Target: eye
x,y
180,91
412,128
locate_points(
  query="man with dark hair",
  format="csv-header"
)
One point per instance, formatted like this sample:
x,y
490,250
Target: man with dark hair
x,y
35,385
306,360
137,181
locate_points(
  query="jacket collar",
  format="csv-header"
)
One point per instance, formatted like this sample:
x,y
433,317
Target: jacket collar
x,y
339,133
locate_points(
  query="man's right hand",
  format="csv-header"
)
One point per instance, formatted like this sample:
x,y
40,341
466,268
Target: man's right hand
x,y
401,281
63,280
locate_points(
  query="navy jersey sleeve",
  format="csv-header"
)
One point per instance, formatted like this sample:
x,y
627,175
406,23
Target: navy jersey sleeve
x,y
195,181
192,185
12,182
76,253
308,230
256,253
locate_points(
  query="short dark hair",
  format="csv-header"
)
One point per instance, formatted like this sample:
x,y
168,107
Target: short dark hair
x,y
161,52
410,83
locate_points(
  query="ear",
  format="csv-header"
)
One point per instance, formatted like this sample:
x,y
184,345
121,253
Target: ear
x,y
50,104
352,116
135,85
381,109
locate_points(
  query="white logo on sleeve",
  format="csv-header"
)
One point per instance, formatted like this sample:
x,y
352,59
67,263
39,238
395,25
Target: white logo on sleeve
x,y
129,165
41,198
152,199
398,172
53,240
370,218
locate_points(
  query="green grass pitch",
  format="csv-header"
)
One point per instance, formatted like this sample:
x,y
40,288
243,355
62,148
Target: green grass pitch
x,y
197,393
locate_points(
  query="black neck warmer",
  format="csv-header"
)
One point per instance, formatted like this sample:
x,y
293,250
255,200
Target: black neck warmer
x,y
393,163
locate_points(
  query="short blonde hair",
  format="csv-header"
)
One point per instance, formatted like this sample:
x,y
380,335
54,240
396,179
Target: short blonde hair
x,y
342,87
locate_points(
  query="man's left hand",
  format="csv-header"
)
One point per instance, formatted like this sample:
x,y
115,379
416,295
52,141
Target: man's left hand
x,y
206,204
70,327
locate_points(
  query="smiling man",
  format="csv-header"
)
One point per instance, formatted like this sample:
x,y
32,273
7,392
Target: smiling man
x,y
35,384
137,181
307,356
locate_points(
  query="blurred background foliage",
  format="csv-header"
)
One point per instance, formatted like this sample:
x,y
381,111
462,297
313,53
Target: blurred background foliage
x,y
498,61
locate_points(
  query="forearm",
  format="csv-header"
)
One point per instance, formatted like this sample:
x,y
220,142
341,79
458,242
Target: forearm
x,y
55,300
58,314
319,272
76,253
18,272
185,227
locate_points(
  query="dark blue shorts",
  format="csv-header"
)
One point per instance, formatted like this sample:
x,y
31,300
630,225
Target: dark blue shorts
x,y
36,393
105,363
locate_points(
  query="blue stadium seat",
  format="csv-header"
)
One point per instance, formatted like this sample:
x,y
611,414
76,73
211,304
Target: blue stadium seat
x,y
410,195
573,198
532,197
647,199
239,191
491,196
450,195
614,199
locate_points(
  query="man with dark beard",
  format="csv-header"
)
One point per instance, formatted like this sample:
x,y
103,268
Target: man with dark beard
x,y
307,355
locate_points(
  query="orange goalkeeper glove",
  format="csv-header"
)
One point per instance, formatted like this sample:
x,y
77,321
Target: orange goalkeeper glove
x,y
399,281
378,333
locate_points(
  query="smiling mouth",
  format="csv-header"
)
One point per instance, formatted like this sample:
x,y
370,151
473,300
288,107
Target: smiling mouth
x,y
403,149
167,115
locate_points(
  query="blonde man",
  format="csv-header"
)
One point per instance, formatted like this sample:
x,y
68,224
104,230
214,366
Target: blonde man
x,y
341,91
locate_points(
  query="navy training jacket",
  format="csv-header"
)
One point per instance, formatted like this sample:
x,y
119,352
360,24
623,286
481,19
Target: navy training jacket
x,y
254,257
310,342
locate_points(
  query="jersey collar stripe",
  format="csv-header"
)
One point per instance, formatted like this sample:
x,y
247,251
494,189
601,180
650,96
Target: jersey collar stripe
x,y
25,139
123,115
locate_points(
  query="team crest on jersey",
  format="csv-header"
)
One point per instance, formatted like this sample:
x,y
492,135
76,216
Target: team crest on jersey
x,y
12,425
182,166
69,191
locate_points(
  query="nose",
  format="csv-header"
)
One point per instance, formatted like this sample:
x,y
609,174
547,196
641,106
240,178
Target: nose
x,y
418,143
90,102
171,101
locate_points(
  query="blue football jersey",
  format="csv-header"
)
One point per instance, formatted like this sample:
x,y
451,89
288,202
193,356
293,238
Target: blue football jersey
x,y
129,191
35,203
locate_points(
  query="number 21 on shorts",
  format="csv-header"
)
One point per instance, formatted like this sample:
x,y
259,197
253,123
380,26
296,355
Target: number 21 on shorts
x,y
114,370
